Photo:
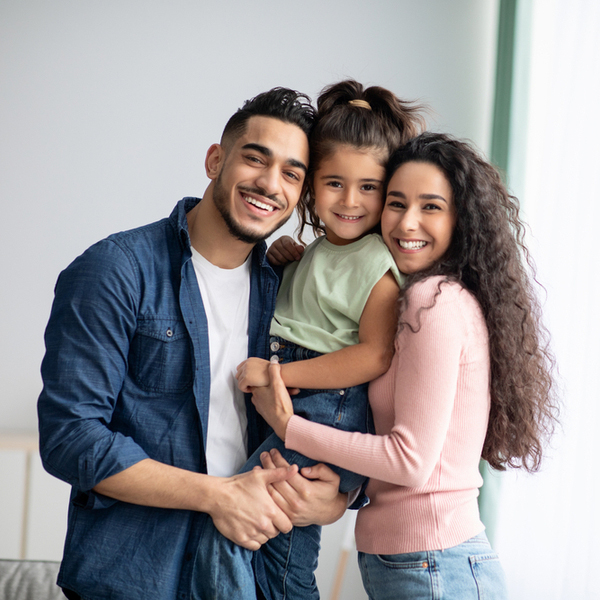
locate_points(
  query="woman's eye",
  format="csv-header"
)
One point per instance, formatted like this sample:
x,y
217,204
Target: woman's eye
x,y
432,207
395,204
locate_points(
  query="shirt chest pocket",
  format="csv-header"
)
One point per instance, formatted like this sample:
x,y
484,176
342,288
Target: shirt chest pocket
x,y
160,356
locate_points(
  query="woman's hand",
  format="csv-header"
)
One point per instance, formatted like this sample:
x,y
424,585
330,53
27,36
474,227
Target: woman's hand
x,y
284,250
273,401
308,498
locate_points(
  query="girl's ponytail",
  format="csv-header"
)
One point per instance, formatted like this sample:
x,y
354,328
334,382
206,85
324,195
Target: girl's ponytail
x,y
372,119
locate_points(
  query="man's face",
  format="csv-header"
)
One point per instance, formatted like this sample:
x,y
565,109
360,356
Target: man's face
x,y
259,179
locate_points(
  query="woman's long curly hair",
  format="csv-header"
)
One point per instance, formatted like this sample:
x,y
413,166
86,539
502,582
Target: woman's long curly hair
x,y
487,256
370,119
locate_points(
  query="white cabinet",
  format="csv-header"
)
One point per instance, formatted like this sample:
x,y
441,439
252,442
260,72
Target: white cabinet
x,y
33,504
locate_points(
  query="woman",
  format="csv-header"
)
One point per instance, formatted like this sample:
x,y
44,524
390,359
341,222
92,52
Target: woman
x,y
470,378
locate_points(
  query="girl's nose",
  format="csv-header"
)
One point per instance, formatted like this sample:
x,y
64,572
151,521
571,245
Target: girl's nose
x,y
350,199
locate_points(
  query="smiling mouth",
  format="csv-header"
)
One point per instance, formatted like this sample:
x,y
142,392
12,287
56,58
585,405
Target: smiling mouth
x,y
348,217
411,245
258,203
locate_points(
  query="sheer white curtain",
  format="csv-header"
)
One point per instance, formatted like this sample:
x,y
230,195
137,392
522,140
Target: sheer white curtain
x,y
549,523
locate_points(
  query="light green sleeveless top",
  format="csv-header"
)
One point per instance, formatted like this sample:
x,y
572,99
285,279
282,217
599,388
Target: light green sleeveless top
x,y
322,296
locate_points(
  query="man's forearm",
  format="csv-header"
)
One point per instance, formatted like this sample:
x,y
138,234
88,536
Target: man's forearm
x,y
240,506
151,483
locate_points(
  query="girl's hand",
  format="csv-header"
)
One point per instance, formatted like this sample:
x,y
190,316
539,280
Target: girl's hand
x,y
273,402
284,250
253,372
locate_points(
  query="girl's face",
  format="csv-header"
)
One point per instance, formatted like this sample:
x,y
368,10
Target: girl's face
x,y
419,216
348,192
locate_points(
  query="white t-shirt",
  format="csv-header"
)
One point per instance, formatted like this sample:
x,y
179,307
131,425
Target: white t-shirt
x,y
226,296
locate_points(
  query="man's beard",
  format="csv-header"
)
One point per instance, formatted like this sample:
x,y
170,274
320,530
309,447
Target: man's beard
x,y
221,201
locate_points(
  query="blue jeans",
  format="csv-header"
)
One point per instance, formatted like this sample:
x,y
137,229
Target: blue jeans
x,y
469,571
286,564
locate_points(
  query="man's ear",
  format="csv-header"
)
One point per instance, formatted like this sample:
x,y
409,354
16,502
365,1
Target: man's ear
x,y
215,157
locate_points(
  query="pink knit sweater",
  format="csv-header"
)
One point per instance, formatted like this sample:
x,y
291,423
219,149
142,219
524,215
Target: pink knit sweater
x,y
431,412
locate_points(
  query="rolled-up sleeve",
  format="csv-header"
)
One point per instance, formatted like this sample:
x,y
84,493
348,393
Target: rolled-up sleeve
x,y
92,323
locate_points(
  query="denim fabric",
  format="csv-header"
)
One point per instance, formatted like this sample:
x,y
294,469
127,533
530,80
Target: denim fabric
x,y
469,571
289,560
126,377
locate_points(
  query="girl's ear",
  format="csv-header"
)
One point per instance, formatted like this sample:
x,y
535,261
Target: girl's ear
x,y
215,157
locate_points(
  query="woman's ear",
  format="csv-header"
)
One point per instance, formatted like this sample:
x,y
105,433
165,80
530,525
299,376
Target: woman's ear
x,y
215,156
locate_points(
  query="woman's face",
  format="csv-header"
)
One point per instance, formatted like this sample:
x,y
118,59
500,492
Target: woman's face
x,y
418,217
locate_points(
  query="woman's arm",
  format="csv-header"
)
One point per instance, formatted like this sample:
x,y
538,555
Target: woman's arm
x,y
423,393
353,365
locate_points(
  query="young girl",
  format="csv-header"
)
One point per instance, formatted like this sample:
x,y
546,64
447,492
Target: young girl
x,y
334,320
471,378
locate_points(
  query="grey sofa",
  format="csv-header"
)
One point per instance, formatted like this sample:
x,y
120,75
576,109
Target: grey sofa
x,y
29,580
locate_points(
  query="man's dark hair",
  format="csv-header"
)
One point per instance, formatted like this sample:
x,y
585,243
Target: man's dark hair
x,y
280,103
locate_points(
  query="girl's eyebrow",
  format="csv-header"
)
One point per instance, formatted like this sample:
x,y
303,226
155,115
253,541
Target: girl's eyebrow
x,y
366,179
421,196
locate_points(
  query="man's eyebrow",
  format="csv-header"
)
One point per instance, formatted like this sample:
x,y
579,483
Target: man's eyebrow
x,y
292,162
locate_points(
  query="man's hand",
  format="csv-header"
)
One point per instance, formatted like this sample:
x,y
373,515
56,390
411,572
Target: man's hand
x,y
244,510
308,498
253,372
284,250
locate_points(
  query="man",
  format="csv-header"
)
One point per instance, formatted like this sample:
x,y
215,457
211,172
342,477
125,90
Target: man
x,y
139,411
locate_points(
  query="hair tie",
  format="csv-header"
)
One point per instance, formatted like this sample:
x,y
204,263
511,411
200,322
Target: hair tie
x,y
361,103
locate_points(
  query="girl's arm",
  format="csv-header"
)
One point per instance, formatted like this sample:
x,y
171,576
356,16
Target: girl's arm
x,y
353,365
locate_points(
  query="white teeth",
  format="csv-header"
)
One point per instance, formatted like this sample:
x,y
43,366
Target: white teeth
x,y
348,218
411,245
258,203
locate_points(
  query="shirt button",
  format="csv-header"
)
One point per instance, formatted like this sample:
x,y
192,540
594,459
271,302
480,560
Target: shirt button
x,y
274,346
169,333
342,392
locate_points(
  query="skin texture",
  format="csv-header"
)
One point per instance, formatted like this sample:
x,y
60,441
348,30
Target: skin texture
x,y
267,163
419,211
348,192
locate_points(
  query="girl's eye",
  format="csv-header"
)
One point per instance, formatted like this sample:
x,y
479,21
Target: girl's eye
x,y
432,207
335,184
369,187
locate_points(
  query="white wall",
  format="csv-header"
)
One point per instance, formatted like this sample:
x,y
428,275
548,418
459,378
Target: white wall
x,y
107,109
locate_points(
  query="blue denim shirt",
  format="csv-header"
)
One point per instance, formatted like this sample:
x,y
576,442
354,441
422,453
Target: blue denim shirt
x,y
126,377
